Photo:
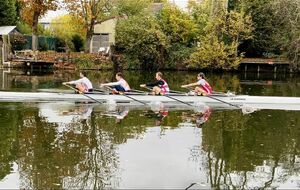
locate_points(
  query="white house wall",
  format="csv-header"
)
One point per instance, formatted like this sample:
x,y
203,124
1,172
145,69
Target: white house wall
x,y
106,27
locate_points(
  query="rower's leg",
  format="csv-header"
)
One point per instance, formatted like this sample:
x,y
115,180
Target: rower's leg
x,y
81,88
200,91
157,91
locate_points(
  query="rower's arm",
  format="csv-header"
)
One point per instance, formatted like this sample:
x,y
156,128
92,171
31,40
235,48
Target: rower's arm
x,y
75,81
156,83
111,84
190,85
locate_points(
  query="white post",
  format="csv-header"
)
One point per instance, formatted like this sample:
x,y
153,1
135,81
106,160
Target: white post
x,y
2,56
1,51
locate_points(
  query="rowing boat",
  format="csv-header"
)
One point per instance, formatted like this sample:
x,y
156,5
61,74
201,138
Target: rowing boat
x,y
223,100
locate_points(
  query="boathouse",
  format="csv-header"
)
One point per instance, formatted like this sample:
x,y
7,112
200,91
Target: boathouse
x,y
5,46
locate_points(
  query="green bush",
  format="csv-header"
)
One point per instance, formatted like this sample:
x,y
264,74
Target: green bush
x,y
18,41
77,42
141,39
92,61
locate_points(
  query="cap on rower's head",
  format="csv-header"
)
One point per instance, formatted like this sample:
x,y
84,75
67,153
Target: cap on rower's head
x,y
201,75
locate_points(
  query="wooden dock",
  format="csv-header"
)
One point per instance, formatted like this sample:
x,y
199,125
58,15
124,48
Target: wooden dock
x,y
265,65
32,64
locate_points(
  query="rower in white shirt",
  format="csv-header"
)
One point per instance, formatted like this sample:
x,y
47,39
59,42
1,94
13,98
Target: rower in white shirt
x,y
120,86
83,84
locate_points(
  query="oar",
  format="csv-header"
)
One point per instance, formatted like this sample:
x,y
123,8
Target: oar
x,y
210,96
98,90
179,100
172,98
123,94
82,93
245,110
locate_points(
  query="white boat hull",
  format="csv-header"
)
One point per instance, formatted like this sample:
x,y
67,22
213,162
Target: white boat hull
x,y
258,102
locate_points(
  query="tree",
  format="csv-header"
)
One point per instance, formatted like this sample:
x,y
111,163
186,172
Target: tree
x,y
32,10
131,7
66,26
178,25
287,34
8,14
182,32
141,39
265,24
95,12
91,12
220,34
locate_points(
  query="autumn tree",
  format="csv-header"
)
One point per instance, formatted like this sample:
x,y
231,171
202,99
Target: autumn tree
x,y
92,12
95,12
32,10
8,12
220,34
65,27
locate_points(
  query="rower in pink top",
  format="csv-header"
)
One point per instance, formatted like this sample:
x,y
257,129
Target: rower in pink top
x,y
202,88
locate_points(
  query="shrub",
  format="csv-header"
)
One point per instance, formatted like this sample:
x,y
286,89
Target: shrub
x,y
77,42
18,41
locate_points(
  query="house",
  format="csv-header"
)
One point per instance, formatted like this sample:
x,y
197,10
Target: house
x,y
5,46
104,36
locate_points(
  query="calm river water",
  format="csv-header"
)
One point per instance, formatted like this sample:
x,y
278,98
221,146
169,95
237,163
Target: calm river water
x,y
68,145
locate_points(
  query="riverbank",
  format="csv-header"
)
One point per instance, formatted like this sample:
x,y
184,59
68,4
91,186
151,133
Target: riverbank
x,y
77,60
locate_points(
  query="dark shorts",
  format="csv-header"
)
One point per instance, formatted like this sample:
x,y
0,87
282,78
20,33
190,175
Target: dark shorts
x,y
119,88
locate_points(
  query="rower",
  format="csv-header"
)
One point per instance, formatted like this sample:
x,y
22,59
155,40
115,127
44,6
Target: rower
x,y
83,84
159,87
202,88
120,86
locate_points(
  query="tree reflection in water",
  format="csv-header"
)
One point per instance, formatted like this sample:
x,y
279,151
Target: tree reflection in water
x,y
83,156
241,156
260,150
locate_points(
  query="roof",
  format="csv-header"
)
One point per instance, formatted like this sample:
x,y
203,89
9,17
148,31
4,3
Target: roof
x,y
5,30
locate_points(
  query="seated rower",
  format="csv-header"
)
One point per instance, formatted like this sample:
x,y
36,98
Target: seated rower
x,y
202,88
120,86
159,87
83,84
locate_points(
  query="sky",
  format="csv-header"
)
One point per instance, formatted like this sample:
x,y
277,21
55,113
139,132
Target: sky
x,y
52,14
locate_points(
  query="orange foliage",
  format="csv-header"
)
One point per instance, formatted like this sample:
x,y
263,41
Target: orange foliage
x,y
30,8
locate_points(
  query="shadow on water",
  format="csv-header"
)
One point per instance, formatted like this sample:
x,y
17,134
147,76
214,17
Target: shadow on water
x,y
66,145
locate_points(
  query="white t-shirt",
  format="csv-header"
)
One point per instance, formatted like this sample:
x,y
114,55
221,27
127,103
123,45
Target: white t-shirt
x,y
121,82
201,82
84,81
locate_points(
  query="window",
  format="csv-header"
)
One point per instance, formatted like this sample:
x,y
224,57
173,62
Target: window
x,y
100,42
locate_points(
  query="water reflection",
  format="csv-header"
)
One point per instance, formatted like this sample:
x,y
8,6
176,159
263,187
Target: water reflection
x,y
197,118
253,154
119,113
65,113
72,153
